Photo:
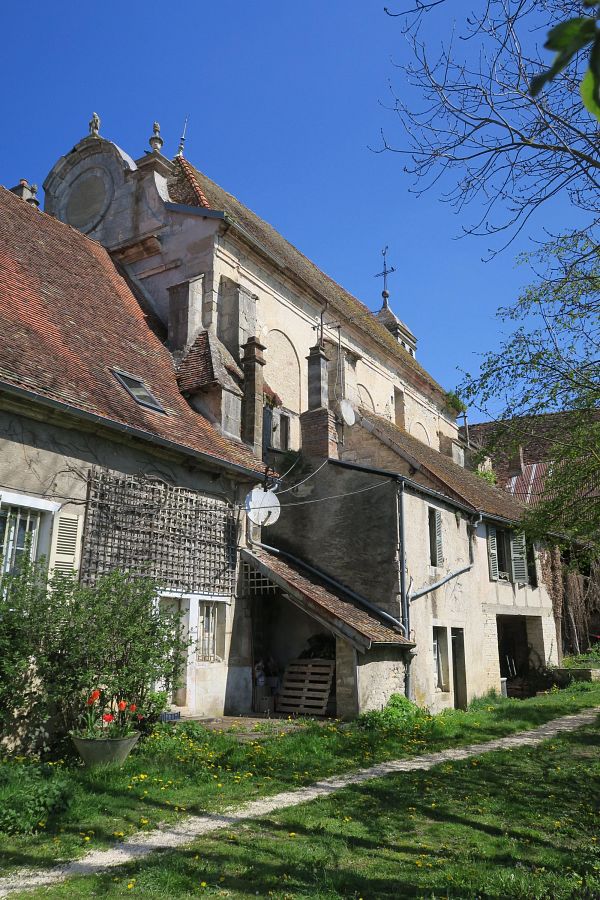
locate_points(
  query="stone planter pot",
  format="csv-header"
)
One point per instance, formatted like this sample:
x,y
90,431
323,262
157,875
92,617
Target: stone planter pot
x,y
105,750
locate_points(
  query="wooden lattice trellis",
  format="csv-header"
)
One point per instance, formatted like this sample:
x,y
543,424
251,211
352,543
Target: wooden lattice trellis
x,y
184,539
255,583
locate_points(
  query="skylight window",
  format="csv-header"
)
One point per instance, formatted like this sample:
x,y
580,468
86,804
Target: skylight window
x,y
138,390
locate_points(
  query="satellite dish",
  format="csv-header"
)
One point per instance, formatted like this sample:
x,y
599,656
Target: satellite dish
x,y
262,507
347,414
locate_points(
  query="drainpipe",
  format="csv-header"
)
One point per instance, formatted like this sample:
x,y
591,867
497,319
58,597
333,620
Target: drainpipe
x,y
335,584
437,584
404,605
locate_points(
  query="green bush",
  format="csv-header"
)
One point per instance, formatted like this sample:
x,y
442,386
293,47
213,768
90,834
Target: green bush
x,y
589,659
398,714
60,640
30,795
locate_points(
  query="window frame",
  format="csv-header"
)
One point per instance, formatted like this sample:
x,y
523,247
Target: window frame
x,y
436,546
509,548
40,507
153,404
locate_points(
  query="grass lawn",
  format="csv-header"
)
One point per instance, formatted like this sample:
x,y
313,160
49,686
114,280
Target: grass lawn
x,y
512,824
190,770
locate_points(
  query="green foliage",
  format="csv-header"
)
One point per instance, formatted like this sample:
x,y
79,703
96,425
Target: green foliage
x,y
454,403
30,795
550,364
487,475
61,640
567,39
590,659
399,714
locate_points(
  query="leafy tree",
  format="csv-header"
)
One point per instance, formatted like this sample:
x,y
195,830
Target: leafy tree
x,y
551,363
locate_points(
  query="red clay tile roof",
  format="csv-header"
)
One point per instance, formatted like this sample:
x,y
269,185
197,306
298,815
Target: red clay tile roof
x,y
453,479
208,362
320,597
186,189
67,318
348,307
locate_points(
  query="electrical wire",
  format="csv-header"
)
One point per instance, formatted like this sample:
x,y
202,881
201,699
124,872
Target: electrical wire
x,y
323,499
304,480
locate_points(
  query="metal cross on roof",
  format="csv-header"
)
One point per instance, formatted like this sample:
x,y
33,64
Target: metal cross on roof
x,y
385,293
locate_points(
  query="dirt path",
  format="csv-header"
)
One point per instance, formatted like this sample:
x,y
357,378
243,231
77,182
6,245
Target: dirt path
x,y
185,831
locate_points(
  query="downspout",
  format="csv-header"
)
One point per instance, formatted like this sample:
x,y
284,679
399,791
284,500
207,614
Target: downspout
x,y
404,604
437,584
334,584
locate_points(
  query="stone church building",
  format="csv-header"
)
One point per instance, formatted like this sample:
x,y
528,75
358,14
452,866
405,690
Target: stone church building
x,y
389,559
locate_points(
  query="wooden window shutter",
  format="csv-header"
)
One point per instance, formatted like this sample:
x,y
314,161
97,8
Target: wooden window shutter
x,y
66,542
492,540
439,550
518,557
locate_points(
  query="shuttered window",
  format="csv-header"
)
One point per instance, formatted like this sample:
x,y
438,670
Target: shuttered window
x,y
493,552
518,554
436,553
507,555
64,553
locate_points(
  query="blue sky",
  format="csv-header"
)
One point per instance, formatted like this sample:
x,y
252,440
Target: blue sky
x,y
285,101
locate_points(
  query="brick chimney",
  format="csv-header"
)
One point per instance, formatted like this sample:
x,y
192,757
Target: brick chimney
x,y
317,424
253,362
26,192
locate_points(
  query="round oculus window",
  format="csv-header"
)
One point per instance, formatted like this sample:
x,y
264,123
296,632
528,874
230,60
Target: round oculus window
x,y
87,201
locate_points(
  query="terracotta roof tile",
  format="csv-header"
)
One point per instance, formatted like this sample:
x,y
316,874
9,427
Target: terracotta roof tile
x,y
347,306
67,318
322,598
454,480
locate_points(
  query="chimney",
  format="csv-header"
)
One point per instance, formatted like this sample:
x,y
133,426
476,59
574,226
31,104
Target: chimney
x,y
253,362
26,192
515,463
317,424
185,314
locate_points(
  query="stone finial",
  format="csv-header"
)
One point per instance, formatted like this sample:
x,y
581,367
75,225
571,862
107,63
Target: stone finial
x,y
94,125
156,141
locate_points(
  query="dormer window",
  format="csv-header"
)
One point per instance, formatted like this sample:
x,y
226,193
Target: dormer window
x,y
140,392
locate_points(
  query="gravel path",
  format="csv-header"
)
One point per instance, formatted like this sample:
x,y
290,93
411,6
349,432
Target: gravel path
x,y
185,831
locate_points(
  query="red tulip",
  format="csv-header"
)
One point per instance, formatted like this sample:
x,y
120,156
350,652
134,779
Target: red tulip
x,y
139,718
132,707
122,705
108,717
94,696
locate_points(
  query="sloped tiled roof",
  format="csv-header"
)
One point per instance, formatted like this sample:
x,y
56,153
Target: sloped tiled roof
x,y
460,482
182,189
67,318
208,362
322,599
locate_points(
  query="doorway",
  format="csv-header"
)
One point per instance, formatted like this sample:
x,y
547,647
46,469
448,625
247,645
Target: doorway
x,y
459,673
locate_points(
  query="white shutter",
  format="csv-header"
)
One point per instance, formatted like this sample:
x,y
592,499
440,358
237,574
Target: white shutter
x,y
439,550
518,557
492,541
66,542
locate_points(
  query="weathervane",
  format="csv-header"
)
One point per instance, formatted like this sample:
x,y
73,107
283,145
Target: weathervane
x,y
182,139
385,293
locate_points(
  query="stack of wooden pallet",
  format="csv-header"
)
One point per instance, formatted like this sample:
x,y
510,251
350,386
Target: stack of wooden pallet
x,y
306,687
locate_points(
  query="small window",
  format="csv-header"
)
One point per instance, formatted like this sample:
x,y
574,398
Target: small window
x,y
208,649
284,432
440,659
507,555
138,390
436,555
19,529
